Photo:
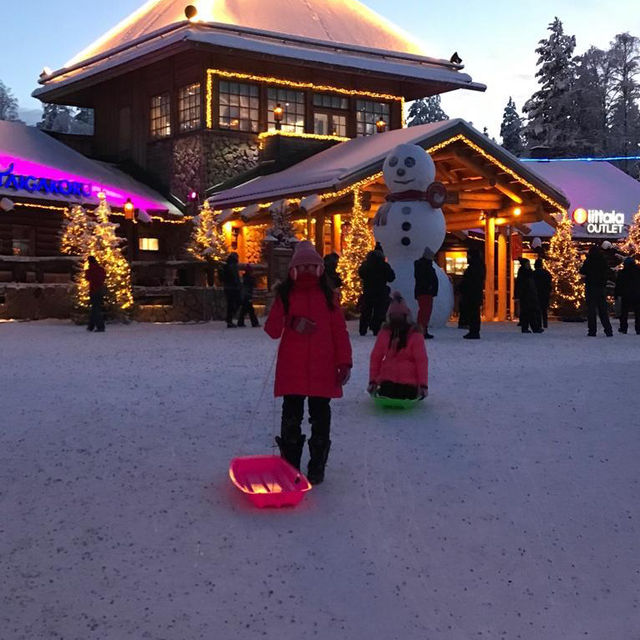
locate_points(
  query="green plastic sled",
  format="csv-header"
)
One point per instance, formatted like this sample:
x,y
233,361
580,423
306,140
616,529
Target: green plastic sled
x,y
394,403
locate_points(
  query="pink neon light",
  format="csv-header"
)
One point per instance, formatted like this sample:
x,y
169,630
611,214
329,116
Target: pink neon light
x,y
115,197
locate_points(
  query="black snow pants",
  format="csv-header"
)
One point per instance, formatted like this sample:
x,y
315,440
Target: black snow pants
x,y
597,305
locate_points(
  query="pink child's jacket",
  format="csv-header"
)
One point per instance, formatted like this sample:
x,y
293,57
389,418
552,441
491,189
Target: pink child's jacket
x,y
406,366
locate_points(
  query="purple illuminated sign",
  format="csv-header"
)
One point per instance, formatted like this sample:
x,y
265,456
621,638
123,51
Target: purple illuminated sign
x,y
47,186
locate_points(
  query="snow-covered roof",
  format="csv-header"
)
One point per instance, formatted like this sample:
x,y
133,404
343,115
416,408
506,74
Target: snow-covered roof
x,y
591,186
342,33
347,162
28,155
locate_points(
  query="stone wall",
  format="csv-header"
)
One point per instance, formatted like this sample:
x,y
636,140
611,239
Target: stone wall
x,y
226,157
187,167
35,302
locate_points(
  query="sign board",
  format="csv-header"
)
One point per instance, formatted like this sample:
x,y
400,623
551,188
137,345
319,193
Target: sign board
x,y
516,246
43,185
599,222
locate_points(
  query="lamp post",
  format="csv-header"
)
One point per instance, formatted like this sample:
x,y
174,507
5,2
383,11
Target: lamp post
x,y
381,126
278,114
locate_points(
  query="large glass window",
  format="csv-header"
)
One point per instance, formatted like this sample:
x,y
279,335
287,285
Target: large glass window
x,y
329,101
160,116
293,105
189,107
330,114
368,113
149,244
239,106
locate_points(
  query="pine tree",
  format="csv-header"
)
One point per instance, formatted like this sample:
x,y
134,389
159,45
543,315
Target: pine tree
x,y
631,244
281,231
568,287
550,113
511,129
426,110
8,104
207,241
358,241
74,237
56,117
83,121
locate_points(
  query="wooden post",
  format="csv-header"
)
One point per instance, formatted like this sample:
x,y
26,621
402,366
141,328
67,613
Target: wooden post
x,y
336,233
502,275
490,264
319,236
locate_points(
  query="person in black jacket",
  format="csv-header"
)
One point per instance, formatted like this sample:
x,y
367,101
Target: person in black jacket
x,y
426,288
544,285
375,273
525,291
596,273
230,276
246,298
472,289
331,270
628,290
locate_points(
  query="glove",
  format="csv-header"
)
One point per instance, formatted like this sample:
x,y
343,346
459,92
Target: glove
x,y
302,325
343,373
372,388
423,393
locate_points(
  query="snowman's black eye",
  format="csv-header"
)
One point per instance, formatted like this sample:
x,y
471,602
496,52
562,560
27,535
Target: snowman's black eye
x,y
410,162
393,162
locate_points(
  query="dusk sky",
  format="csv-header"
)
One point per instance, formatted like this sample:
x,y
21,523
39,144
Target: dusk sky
x,y
495,38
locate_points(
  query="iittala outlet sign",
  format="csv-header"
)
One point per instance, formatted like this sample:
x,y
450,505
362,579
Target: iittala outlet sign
x,y
599,222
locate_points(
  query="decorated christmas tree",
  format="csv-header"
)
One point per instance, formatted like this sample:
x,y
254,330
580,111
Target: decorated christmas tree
x,y
74,237
207,241
281,231
631,246
564,264
358,241
102,242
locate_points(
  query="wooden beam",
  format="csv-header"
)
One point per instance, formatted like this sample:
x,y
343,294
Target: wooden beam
x,y
489,261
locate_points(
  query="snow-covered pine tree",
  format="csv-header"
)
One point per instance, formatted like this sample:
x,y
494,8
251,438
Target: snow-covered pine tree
x,y
55,117
511,129
8,104
564,264
74,236
83,121
426,110
358,241
281,231
550,111
631,244
207,241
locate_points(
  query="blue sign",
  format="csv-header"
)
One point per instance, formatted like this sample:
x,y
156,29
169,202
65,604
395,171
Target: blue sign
x,y
46,186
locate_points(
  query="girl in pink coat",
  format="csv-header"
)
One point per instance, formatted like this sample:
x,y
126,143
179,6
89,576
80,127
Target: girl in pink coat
x,y
314,357
399,367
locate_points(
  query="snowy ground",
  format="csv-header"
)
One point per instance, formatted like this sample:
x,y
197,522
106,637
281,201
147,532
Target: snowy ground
x,y
506,507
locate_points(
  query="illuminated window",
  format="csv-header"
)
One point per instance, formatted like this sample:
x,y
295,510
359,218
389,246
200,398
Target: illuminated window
x,y
329,115
161,116
294,109
189,108
368,113
456,262
239,106
149,244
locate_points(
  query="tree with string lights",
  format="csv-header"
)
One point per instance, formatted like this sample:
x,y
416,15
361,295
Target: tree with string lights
x,y
74,237
207,241
631,244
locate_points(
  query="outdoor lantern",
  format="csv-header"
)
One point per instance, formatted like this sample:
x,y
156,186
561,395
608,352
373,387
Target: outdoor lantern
x,y
6,204
278,114
128,209
517,212
190,12
381,126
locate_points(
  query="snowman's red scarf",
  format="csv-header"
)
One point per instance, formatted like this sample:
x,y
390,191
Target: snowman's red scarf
x,y
406,196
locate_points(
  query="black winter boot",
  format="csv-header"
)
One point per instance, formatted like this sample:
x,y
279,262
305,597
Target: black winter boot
x,y
291,450
319,450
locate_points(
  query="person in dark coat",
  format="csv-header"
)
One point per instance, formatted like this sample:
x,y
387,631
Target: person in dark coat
x,y
472,290
628,290
375,273
525,291
426,288
544,285
246,298
596,273
96,277
230,276
331,270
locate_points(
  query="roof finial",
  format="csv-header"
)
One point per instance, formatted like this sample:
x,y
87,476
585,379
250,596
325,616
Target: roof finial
x,y
191,12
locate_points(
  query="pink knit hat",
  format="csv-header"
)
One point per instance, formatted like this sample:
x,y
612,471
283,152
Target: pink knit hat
x,y
398,306
305,253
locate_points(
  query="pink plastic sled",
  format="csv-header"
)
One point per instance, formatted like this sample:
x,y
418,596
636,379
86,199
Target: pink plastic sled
x,y
268,481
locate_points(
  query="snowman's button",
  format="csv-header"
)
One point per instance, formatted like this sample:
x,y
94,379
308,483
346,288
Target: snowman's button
x,y
406,210
406,241
406,226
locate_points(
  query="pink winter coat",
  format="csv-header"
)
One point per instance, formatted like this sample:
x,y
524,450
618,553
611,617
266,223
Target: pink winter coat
x,y
307,363
406,366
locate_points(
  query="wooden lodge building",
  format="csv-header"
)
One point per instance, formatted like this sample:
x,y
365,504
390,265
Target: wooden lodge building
x,y
253,107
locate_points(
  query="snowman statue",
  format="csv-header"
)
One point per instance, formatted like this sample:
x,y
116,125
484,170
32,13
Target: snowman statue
x,y
410,221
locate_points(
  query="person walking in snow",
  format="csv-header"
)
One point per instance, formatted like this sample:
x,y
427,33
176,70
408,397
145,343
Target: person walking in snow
x,y
246,298
314,357
399,367
426,288
471,290
96,277
230,276
544,286
525,291
375,272
628,290
596,273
